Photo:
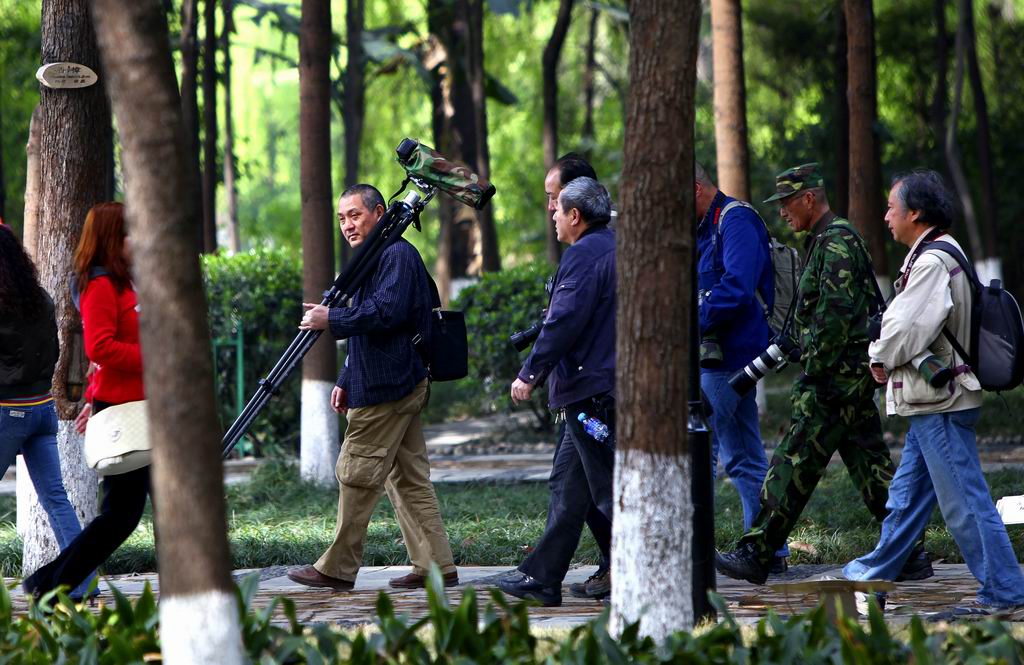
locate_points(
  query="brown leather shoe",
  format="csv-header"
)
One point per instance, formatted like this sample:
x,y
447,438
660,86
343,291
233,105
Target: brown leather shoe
x,y
417,581
310,576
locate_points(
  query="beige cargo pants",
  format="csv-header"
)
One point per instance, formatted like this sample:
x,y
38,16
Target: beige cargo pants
x,y
384,449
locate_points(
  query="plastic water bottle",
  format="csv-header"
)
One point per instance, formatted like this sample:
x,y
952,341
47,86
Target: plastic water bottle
x,y
594,427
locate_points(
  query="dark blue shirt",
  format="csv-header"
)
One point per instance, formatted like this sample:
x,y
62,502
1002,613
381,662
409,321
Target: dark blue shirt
x,y
576,347
386,312
734,265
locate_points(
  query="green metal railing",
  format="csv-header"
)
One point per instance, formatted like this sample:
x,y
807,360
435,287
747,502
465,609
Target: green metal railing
x,y
236,343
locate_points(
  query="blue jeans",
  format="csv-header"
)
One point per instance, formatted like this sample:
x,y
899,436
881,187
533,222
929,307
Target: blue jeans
x,y
736,434
32,431
940,465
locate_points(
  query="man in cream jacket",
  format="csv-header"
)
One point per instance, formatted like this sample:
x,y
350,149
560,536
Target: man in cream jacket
x,y
940,461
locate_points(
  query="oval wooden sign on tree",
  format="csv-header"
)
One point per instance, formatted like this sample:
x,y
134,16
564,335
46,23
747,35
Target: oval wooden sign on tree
x,y
66,75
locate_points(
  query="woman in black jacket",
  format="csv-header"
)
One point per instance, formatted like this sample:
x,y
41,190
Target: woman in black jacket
x,y
28,419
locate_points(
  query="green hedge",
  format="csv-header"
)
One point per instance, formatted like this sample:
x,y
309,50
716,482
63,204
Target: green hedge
x,y
500,304
259,291
127,632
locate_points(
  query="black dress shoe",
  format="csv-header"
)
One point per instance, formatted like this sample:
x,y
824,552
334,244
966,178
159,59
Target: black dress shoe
x,y
597,586
521,585
917,567
742,564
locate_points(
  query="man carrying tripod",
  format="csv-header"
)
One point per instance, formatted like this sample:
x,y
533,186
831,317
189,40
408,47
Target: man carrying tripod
x,y
383,387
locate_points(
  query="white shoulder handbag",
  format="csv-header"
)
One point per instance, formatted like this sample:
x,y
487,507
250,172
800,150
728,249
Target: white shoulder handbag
x,y
117,439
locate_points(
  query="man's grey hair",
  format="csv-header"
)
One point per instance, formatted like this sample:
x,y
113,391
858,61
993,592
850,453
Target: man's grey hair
x,y
700,174
590,198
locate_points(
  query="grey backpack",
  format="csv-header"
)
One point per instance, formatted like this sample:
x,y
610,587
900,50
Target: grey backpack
x,y
786,269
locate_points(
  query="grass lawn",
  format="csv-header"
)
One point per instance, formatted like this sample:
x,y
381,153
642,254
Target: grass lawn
x,y
278,520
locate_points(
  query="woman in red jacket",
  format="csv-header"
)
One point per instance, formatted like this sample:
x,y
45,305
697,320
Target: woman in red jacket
x,y
110,321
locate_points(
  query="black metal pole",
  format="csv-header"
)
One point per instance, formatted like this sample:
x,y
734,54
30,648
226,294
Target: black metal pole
x,y
702,483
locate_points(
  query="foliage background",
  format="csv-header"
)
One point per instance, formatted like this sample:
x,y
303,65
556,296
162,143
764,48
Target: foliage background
x,y
790,73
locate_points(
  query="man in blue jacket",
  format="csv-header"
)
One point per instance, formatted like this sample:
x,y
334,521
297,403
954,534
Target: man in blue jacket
x,y
736,291
383,388
575,353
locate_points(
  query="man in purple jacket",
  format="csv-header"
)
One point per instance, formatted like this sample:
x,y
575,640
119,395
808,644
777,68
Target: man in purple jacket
x,y
575,353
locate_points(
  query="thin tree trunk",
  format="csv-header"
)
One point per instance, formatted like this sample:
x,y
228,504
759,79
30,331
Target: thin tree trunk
x,y
319,447
189,45
549,64
841,121
865,167
3,180
651,532
230,186
453,121
941,95
991,267
30,222
730,96
589,73
74,131
198,608
490,258
956,168
210,127
355,98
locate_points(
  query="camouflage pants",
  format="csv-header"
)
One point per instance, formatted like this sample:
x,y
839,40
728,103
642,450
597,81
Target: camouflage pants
x,y
826,418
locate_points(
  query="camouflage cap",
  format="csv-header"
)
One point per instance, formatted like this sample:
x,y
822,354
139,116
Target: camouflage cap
x,y
797,179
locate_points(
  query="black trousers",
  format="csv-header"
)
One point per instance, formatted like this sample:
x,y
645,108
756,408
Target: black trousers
x,y
581,485
124,500
598,524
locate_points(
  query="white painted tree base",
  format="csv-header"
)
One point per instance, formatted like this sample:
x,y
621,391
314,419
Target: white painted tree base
x,y
39,545
989,269
319,438
884,285
200,628
652,566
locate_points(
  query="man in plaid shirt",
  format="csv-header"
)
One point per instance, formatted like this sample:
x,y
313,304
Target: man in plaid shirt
x,y
382,389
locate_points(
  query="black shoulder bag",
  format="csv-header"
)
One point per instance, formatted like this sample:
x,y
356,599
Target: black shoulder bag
x,y
443,346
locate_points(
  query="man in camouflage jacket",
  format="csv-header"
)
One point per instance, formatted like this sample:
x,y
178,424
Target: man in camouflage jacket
x,y
833,399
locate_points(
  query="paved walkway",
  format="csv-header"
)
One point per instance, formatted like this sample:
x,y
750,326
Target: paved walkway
x,y
952,584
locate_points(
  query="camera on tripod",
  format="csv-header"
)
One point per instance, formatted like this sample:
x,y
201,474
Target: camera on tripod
x,y
781,351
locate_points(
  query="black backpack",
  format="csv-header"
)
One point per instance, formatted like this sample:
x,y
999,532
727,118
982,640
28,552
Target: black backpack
x,y
997,330
443,346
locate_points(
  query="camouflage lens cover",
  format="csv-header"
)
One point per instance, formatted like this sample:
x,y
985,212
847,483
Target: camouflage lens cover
x,y
455,179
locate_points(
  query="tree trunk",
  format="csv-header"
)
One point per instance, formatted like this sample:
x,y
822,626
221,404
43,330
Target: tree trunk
x,y
454,125
355,98
198,608
866,210
3,179
30,222
653,521
730,95
956,168
490,258
319,448
210,127
549,64
74,128
189,46
991,267
230,186
589,74
841,121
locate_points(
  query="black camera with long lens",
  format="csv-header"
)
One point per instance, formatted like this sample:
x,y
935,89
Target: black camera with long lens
x,y
521,339
781,351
